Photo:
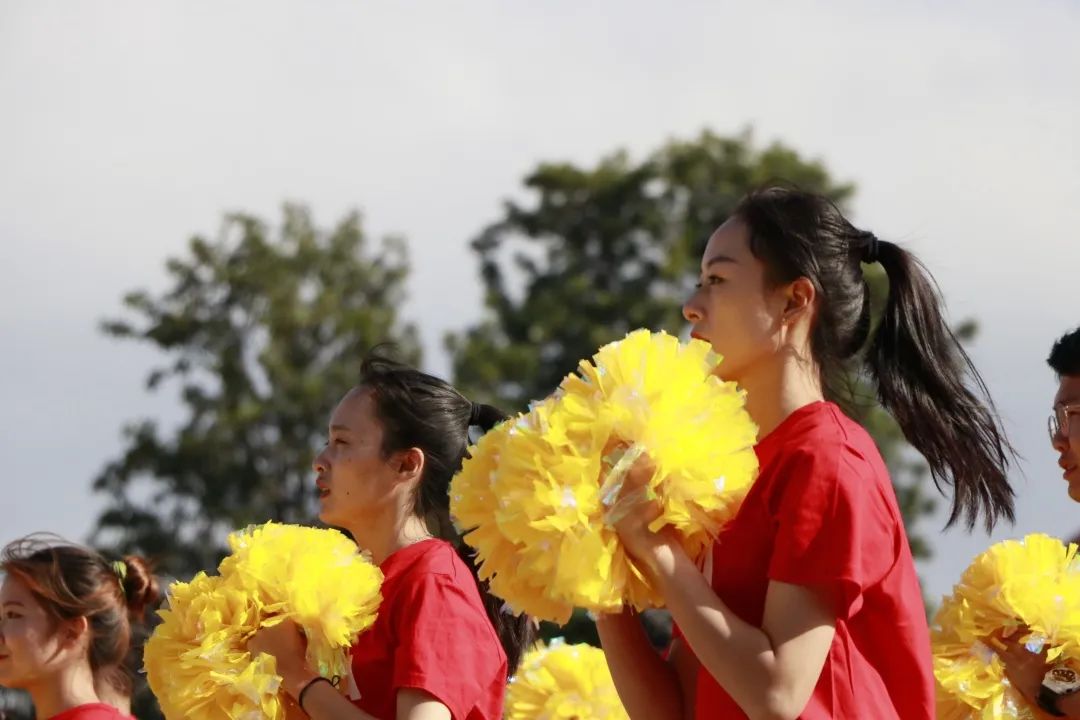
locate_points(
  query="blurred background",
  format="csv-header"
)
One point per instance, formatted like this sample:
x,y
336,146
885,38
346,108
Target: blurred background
x,y
208,211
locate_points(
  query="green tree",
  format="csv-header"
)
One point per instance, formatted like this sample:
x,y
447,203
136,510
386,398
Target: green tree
x,y
263,331
597,252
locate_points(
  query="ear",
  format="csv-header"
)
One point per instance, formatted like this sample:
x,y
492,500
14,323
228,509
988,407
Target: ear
x,y
73,632
410,464
800,297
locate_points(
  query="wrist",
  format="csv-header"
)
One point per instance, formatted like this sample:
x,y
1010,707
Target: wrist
x,y
1059,683
295,679
616,617
658,554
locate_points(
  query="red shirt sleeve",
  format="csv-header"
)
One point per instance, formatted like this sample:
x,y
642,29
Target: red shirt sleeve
x,y
446,644
834,529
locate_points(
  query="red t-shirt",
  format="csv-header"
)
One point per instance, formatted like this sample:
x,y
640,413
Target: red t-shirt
x,y
823,513
432,634
92,711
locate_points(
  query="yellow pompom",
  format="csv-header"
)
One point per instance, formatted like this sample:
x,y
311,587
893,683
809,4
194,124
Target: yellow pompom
x,y
1029,586
563,682
532,497
196,660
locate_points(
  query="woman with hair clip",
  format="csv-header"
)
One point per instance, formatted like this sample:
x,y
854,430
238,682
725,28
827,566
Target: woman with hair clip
x,y
442,647
809,606
66,625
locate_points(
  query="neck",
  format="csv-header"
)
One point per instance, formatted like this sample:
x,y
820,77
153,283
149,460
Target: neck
x,y
69,688
778,388
110,695
382,537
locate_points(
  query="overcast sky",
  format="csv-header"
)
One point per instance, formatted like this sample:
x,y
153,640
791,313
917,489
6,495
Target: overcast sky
x,y
126,127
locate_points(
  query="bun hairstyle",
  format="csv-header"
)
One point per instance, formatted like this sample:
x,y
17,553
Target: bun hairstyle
x,y
70,582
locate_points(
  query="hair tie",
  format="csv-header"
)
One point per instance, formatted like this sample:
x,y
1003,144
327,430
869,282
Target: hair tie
x,y
120,568
872,249
474,414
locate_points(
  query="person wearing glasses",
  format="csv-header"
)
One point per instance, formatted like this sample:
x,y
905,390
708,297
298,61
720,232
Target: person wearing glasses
x,y
1055,688
1064,423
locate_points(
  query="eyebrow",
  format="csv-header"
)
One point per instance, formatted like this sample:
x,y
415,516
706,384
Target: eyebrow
x,y
340,428
13,602
715,259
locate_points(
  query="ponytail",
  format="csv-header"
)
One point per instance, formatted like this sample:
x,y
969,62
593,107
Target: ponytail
x,y
921,368
516,632
924,377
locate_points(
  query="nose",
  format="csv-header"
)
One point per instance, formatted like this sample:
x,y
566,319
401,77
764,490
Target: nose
x,y
1059,442
319,464
691,311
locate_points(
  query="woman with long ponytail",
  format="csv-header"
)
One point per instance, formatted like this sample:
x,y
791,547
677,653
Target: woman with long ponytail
x,y
442,646
809,605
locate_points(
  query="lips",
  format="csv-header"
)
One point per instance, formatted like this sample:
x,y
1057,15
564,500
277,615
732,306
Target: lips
x,y
697,336
321,489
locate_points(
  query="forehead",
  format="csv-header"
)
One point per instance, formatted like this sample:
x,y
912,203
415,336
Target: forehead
x,y
732,239
356,409
1068,390
13,590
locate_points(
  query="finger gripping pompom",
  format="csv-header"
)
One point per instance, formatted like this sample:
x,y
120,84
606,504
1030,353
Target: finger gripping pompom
x,y
539,494
1028,590
196,660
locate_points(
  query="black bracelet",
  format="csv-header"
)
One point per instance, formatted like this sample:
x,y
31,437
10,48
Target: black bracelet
x,y
303,690
1047,700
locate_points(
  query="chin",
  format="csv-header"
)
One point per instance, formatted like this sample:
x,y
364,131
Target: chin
x,y
728,372
329,519
341,517
11,682
1074,491
327,516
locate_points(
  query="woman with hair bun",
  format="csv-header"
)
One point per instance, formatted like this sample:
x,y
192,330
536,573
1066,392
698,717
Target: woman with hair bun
x,y
66,618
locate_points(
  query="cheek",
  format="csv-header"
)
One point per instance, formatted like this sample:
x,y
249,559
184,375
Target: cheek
x,y
743,328
28,647
355,473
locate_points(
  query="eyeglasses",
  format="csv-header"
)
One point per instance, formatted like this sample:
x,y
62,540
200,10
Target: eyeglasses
x,y
1058,422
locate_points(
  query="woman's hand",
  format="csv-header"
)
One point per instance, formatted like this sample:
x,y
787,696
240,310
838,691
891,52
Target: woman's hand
x,y
285,642
1024,669
634,509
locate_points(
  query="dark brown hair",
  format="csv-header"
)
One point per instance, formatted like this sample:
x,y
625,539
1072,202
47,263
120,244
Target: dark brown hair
x,y
72,582
923,376
419,410
1065,355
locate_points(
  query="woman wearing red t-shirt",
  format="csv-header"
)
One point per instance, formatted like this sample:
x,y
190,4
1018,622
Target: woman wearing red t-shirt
x,y
442,647
809,605
65,623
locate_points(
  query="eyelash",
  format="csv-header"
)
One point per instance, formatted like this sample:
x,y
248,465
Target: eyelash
x,y
709,281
